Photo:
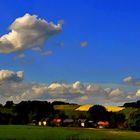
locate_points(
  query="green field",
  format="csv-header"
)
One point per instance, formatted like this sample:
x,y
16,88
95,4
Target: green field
x,y
10,132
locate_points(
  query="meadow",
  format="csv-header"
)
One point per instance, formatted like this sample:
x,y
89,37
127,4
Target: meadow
x,y
20,132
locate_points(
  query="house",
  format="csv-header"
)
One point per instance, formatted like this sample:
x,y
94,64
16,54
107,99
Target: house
x,y
40,123
82,122
103,124
87,123
91,123
56,122
43,122
68,122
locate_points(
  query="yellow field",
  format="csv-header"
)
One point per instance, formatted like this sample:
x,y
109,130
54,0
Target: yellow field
x,y
108,108
84,107
114,108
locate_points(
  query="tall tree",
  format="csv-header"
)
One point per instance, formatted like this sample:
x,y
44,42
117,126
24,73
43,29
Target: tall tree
x,y
98,113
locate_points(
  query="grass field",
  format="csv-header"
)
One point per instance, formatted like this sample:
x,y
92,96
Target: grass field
x,y
10,132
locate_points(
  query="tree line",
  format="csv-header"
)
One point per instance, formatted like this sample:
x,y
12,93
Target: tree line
x,y
26,112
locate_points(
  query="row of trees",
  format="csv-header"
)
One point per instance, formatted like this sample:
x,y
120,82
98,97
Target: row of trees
x,y
99,113
133,118
27,111
24,112
133,104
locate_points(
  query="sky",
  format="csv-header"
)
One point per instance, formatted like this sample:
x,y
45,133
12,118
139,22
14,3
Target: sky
x,y
47,47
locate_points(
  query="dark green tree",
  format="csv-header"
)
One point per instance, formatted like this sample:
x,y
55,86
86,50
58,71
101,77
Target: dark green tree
x,y
9,104
116,119
98,113
133,121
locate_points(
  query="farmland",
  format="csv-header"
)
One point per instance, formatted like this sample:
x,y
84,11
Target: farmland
x,y
24,132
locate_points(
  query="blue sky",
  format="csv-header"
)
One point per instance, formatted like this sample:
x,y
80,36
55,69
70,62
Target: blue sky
x,y
109,28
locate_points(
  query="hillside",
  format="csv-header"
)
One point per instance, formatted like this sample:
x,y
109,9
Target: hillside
x,y
85,107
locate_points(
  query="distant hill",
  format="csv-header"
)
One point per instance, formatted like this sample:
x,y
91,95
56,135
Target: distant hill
x,y
108,108
65,107
85,107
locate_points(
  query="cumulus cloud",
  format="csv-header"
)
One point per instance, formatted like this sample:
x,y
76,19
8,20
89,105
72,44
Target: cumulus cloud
x,y
26,32
77,85
76,92
83,98
7,75
54,86
138,93
116,92
132,80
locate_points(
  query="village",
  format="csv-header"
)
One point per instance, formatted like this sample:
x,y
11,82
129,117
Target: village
x,y
64,114
82,120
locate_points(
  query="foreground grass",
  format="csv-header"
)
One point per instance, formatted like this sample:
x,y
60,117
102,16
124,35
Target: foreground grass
x,y
11,132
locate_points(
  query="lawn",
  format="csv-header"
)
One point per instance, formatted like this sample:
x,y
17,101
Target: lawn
x,y
10,132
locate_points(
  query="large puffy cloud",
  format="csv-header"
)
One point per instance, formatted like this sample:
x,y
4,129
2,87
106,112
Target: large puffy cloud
x,y
7,75
77,85
138,93
116,92
26,32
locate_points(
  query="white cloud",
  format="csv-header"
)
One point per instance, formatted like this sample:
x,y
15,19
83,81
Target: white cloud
x,y
128,79
77,85
83,98
138,93
132,80
26,32
76,92
116,92
83,44
54,86
7,75
93,88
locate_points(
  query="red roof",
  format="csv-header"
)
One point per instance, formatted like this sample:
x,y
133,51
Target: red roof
x,y
56,120
103,123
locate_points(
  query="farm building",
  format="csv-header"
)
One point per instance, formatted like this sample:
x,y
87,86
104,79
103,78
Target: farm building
x,y
87,123
82,122
102,124
68,122
43,122
56,122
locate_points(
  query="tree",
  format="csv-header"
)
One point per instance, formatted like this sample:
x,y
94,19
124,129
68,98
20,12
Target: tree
x,y
116,119
32,110
133,121
9,104
98,113
133,104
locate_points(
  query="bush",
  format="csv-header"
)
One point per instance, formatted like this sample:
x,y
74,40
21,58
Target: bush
x,y
98,113
133,121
